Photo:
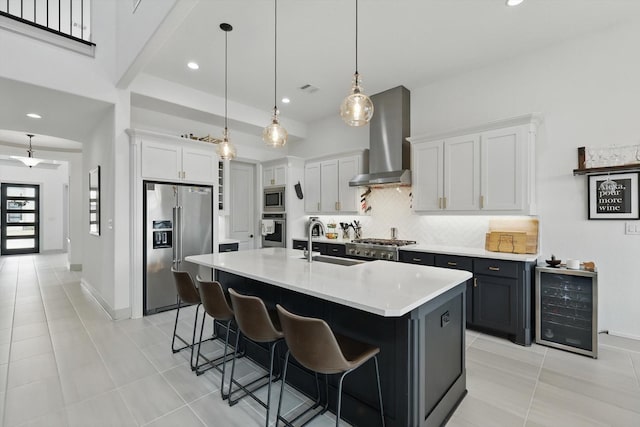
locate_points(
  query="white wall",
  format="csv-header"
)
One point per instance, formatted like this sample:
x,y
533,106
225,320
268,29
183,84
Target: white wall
x,y
98,251
328,136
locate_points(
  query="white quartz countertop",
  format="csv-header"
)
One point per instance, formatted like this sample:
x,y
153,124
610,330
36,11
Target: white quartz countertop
x,y
472,252
385,288
448,250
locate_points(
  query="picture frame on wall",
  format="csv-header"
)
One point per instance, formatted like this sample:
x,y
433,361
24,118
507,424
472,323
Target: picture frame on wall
x,y
614,196
94,201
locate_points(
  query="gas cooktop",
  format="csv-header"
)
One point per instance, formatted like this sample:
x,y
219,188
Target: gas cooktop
x,y
386,249
385,242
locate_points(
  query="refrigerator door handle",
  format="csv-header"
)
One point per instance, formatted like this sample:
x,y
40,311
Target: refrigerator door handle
x,y
180,231
175,236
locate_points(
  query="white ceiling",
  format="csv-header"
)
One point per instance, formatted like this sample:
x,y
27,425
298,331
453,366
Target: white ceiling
x,y
408,42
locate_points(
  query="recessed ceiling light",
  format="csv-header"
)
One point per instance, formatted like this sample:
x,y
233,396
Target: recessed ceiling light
x,y
193,65
286,100
34,115
514,2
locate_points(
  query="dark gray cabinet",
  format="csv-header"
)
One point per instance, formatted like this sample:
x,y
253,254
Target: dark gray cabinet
x,y
227,247
316,246
498,298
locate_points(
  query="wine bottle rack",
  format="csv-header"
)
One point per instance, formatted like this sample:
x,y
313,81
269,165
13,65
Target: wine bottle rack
x,y
566,309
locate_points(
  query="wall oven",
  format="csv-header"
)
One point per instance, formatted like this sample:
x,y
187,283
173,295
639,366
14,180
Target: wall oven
x,y
273,199
275,222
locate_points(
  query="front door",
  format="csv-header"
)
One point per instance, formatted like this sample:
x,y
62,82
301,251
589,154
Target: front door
x,y
20,219
242,218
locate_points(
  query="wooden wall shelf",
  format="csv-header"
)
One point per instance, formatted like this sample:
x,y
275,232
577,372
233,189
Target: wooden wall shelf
x,y
581,170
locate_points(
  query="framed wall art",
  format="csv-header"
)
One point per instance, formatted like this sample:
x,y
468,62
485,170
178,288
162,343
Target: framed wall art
x,y
613,196
94,201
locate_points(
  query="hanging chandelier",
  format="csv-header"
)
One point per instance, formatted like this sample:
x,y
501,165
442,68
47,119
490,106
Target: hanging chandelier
x,y
357,108
275,135
29,160
226,150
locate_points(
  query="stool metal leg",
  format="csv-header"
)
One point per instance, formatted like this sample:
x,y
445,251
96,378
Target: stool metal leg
x,y
375,359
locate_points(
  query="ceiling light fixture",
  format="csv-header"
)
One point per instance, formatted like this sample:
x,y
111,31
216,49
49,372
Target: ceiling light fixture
x,y
514,2
34,116
357,108
30,160
193,65
275,135
286,100
225,149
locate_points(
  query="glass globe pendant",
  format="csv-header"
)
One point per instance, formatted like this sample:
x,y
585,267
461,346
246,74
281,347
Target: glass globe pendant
x,y
357,108
225,150
275,135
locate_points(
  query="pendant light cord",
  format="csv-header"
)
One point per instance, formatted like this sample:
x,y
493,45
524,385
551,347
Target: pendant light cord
x,y
356,36
275,59
226,34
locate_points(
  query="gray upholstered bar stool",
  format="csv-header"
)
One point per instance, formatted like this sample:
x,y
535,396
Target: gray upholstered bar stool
x,y
318,349
260,325
215,304
187,294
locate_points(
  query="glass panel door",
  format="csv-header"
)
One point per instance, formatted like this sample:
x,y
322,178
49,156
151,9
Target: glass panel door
x,y
20,220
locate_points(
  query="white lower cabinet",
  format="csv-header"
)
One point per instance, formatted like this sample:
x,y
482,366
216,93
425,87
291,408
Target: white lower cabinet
x,y
327,185
178,162
490,171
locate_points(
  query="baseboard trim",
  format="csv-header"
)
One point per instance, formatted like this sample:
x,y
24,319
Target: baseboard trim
x,y
115,314
624,335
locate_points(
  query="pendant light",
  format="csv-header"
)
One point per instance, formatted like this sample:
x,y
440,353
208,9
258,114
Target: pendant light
x,y
357,108
225,150
30,160
275,135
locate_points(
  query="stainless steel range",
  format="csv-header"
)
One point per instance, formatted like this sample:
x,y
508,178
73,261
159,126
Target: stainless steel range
x,y
386,249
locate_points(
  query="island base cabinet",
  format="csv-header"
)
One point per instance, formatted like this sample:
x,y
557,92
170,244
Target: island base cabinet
x,y
421,357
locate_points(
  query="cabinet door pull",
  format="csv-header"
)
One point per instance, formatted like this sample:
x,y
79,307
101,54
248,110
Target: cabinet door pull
x,y
416,259
452,263
334,250
444,203
494,268
273,181
475,282
318,206
481,202
337,206
439,202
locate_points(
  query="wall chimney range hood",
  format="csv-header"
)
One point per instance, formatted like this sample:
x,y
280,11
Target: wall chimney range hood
x,y
389,151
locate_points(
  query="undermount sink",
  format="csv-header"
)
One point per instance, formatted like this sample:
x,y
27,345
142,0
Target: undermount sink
x,y
333,260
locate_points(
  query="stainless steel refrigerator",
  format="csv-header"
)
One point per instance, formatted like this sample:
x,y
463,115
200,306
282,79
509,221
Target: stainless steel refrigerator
x,y
178,223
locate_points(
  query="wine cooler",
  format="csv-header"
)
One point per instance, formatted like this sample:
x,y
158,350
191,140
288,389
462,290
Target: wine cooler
x,y
567,309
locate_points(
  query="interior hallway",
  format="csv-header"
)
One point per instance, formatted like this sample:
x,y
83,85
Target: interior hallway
x,y
64,362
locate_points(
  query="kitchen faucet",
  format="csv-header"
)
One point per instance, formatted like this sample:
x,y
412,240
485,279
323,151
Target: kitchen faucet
x,y
312,222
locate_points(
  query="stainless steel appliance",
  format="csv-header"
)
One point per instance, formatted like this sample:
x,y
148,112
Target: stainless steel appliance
x,y
386,249
273,199
178,223
277,239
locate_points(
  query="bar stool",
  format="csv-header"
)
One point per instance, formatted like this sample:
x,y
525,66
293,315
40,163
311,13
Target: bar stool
x,y
215,304
318,349
187,293
260,325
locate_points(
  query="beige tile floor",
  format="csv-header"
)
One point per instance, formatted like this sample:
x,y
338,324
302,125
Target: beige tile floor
x,y
63,362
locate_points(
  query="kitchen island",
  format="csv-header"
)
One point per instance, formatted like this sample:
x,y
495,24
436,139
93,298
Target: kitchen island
x,y
415,314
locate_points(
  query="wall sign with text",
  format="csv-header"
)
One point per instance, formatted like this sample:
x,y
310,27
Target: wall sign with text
x,y
613,196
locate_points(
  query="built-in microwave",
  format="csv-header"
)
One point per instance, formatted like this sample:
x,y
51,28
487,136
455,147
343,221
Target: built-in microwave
x,y
273,200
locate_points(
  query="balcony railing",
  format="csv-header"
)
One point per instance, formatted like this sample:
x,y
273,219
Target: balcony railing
x,y
68,18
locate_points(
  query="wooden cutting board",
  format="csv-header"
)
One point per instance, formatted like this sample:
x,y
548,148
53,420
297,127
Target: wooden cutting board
x,y
507,241
527,225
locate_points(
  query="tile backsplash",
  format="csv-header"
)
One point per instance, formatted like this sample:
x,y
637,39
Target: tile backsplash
x,y
391,207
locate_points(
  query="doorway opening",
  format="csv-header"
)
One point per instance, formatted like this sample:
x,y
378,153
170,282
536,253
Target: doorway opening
x,y
20,224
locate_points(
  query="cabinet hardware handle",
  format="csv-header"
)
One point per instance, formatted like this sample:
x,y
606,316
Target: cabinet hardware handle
x,y
444,203
475,282
494,268
334,250
416,259
452,263
439,202
318,206
337,206
481,202
273,181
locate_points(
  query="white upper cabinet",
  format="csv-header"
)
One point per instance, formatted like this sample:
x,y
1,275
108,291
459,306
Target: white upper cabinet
x,y
178,162
274,175
327,185
490,170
